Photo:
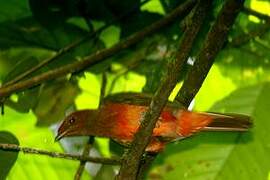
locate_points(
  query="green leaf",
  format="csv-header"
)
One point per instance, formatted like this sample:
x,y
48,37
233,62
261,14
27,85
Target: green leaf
x,y
217,155
23,33
14,9
7,158
24,101
28,33
253,151
153,6
17,60
90,86
217,85
106,172
50,110
40,167
137,22
20,67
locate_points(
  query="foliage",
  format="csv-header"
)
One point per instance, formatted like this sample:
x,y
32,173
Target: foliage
x,y
31,31
218,155
8,157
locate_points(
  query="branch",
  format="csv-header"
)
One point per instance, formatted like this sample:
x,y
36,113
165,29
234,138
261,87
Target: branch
x,y
247,36
145,164
86,152
27,150
70,47
57,55
212,45
91,139
131,160
259,15
97,57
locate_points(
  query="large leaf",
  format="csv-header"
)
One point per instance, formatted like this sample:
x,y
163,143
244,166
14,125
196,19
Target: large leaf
x,y
211,91
19,28
7,158
23,38
228,155
36,167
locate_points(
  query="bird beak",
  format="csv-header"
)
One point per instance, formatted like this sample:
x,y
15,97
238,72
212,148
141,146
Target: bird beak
x,y
59,136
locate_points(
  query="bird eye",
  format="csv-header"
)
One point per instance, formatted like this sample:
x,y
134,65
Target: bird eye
x,y
71,120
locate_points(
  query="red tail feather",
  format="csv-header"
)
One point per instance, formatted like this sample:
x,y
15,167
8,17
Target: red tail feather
x,y
192,122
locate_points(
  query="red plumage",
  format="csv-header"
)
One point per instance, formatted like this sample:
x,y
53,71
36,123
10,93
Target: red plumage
x,y
120,121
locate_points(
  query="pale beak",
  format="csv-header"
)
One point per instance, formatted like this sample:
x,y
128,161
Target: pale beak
x,y
57,138
60,136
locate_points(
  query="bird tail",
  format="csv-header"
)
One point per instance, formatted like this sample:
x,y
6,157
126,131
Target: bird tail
x,y
192,122
228,122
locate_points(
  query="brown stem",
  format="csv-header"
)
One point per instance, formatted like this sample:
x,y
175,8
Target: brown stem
x,y
86,151
27,150
91,139
50,59
69,47
247,36
259,15
145,165
97,57
212,45
131,160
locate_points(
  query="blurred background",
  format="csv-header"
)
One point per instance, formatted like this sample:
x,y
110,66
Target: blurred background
x,y
32,31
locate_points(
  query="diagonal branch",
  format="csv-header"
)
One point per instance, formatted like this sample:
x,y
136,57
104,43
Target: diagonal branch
x,y
27,150
259,15
258,32
131,160
248,36
99,56
212,45
70,47
56,56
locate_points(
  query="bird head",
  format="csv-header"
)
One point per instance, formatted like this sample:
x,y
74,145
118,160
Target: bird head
x,y
75,124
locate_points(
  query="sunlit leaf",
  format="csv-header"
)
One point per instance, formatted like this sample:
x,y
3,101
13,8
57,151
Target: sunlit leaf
x,y
216,155
28,166
7,158
216,86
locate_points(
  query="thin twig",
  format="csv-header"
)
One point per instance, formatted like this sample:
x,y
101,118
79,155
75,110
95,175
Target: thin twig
x,y
103,88
212,45
69,47
124,72
54,57
263,45
98,56
91,139
28,150
247,36
2,108
86,151
259,15
131,160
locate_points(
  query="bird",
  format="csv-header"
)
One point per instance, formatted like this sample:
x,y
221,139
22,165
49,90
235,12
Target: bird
x,y
120,115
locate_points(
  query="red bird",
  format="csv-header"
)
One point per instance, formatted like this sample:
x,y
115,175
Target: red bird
x,y
120,116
